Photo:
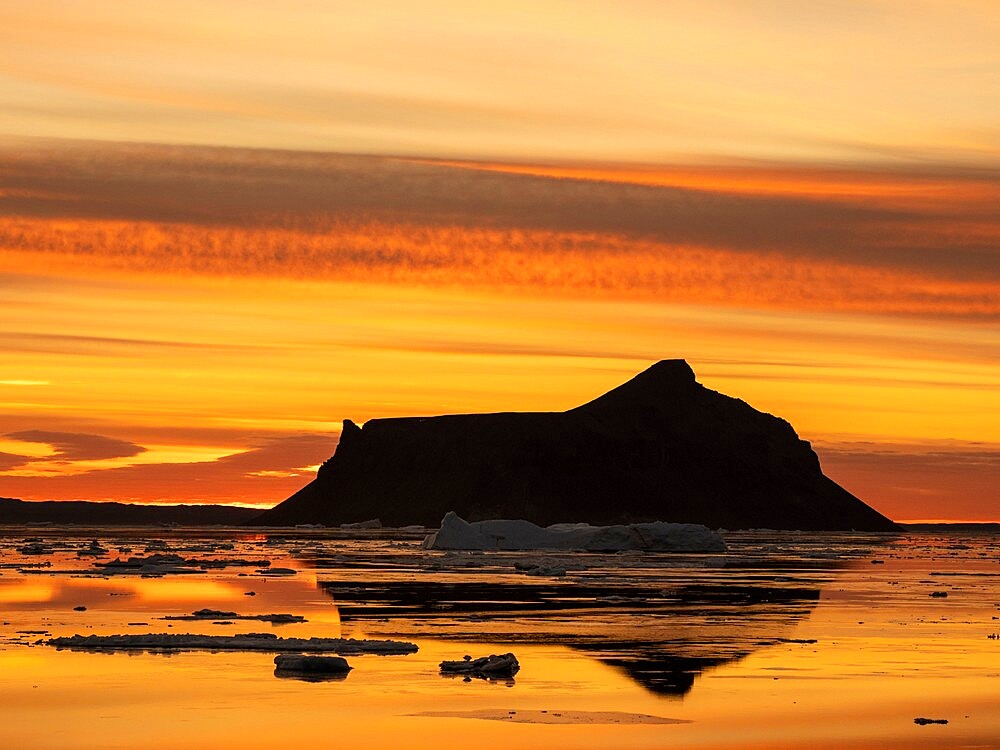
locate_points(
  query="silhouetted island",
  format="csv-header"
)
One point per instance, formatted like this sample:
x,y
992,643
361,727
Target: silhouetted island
x,y
661,447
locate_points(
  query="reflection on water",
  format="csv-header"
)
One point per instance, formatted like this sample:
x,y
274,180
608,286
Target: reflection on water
x,y
783,642
659,633
85,590
303,677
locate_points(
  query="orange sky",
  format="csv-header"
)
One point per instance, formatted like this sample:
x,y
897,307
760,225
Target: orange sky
x,y
799,199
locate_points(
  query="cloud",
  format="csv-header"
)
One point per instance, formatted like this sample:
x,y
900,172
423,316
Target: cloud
x,y
954,235
905,459
102,346
899,242
615,266
75,446
265,473
282,454
12,461
609,79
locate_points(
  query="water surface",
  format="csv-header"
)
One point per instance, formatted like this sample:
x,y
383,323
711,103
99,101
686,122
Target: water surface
x,y
786,641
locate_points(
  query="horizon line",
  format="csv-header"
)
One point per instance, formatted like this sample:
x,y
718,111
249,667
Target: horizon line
x,y
263,507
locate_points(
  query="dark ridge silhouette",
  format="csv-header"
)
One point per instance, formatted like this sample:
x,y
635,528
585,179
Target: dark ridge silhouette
x,y
660,447
120,514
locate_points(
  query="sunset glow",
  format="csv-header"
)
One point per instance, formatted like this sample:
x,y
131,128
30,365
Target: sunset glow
x,y
349,223
605,374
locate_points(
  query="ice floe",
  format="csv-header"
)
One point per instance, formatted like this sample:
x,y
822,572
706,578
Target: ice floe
x,y
458,534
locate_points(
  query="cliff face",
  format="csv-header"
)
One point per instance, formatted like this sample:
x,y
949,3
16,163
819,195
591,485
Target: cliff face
x,y
661,447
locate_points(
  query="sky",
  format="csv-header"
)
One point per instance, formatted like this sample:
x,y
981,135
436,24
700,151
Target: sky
x,y
225,228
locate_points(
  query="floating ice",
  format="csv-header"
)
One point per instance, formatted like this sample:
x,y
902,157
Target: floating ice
x,y
456,533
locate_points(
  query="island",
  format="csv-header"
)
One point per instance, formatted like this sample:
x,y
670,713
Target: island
x,y
660,447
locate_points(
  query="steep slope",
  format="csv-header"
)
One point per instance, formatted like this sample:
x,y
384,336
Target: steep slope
x,y
660,447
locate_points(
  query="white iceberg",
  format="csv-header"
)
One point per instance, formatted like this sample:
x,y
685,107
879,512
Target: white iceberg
x,y
458,534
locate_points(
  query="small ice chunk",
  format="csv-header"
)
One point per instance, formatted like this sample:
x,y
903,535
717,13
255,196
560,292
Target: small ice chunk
x,y
494,665
313,665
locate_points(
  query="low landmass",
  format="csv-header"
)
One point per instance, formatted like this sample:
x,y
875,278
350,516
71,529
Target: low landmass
x,y
958,527
661,447
14,511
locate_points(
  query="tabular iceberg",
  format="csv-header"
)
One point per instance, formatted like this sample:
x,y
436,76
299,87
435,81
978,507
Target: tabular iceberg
x,y
458,534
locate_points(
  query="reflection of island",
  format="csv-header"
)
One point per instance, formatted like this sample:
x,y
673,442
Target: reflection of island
x,y
661,635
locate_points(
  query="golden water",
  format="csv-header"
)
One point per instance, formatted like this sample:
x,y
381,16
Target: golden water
x,y
885,653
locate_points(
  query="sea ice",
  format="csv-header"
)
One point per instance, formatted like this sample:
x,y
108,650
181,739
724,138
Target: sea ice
x,y
456,533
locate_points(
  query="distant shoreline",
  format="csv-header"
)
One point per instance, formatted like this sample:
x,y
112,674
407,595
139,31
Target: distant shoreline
x,y
85,512
971,526
15,512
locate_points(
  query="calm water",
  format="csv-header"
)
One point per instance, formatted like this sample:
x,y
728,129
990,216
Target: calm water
x,y
788,640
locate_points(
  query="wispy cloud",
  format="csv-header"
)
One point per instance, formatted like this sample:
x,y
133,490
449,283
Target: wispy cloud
x,y
12,461
73,446
525,260
955,236
219,212
615,80
267,472
102,346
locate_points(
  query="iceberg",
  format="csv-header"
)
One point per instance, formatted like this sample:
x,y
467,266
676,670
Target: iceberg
x,y
458,534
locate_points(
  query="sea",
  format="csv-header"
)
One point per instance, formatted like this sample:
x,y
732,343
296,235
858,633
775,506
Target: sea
x,y
787,640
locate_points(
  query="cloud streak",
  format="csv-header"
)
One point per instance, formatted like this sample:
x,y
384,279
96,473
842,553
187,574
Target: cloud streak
x,y
603,265
224,212
265,473
100,346
75,446
615,80
319,193
12,461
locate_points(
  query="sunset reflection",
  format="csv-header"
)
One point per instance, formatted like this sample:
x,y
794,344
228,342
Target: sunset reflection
x,y
785,665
